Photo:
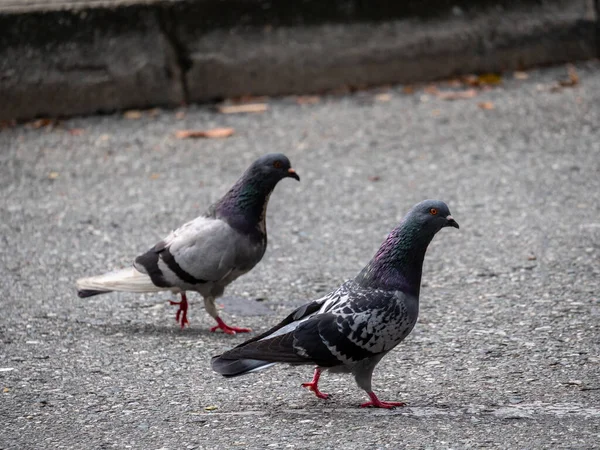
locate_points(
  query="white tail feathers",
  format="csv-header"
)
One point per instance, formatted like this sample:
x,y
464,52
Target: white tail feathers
x,y
125,280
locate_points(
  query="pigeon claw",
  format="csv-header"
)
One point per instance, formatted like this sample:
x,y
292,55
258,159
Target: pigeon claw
x,y
228,329
312,386
181,316
376,403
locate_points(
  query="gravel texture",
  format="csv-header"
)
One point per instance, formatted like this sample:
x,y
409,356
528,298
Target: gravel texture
x,y
506,353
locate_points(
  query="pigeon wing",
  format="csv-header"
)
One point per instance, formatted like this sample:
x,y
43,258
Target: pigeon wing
x,y
202,250
346,329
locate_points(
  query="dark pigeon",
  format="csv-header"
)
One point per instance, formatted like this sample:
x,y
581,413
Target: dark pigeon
x,y
211,251
353,327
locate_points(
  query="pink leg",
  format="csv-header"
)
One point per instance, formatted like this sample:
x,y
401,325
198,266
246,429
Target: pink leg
x,y
376,403
181,316
227,329
314,385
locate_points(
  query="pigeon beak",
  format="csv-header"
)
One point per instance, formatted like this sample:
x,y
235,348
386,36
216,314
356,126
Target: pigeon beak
x,y
292,174
451,222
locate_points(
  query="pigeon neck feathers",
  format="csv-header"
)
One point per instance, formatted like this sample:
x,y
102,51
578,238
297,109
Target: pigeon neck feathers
x,y
398,263
244,206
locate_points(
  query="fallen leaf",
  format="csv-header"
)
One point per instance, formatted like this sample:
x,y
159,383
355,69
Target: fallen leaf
x,y
42,123
214,133
53,175
521,75
155,176
76,131
573,79
486,105
132,114
307,99
243,108
408,89
211,408
482,80
383,97
456,95
5,390
490,78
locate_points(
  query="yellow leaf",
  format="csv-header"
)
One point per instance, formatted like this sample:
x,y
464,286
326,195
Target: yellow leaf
x,y
53,175
243,108
211,408
490,78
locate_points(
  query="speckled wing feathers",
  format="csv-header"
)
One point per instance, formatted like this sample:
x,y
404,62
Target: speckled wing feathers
x,y
352,323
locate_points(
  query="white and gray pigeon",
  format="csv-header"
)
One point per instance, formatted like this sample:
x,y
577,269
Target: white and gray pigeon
x,y
353,327
211,251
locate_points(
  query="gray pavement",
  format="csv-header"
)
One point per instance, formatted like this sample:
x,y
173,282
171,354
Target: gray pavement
x,y
506,352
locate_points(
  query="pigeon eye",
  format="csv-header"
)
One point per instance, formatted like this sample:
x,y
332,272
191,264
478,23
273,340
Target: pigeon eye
x,y
433,211
277,164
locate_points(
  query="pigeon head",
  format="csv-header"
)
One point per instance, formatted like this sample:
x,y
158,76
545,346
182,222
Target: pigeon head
x,y
398,263
271,168
245,205
430,216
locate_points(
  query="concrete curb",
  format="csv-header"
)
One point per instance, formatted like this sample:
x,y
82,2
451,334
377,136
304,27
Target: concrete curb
x,y
87,57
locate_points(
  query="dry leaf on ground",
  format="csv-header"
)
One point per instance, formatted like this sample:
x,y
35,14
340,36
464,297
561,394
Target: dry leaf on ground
x,y
408,89
456,95
573,80
243,108
43,123
521,75
132,114
483,79
486,105
214,133
307,99
383,97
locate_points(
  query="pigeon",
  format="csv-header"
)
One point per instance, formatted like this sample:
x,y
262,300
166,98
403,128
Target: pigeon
x,y
352,328
209,252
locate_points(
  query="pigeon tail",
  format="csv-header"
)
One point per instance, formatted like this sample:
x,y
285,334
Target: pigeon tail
x,y
125,280
235,367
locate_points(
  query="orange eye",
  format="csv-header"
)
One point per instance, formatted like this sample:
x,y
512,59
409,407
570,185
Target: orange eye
x,y
433,211
277,164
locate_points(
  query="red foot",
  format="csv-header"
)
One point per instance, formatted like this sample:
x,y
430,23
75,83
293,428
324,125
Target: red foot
x,y
376,403
181,316
314,385
227,329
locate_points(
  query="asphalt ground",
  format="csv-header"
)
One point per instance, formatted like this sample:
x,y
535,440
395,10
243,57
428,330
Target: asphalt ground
x,y
506,353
